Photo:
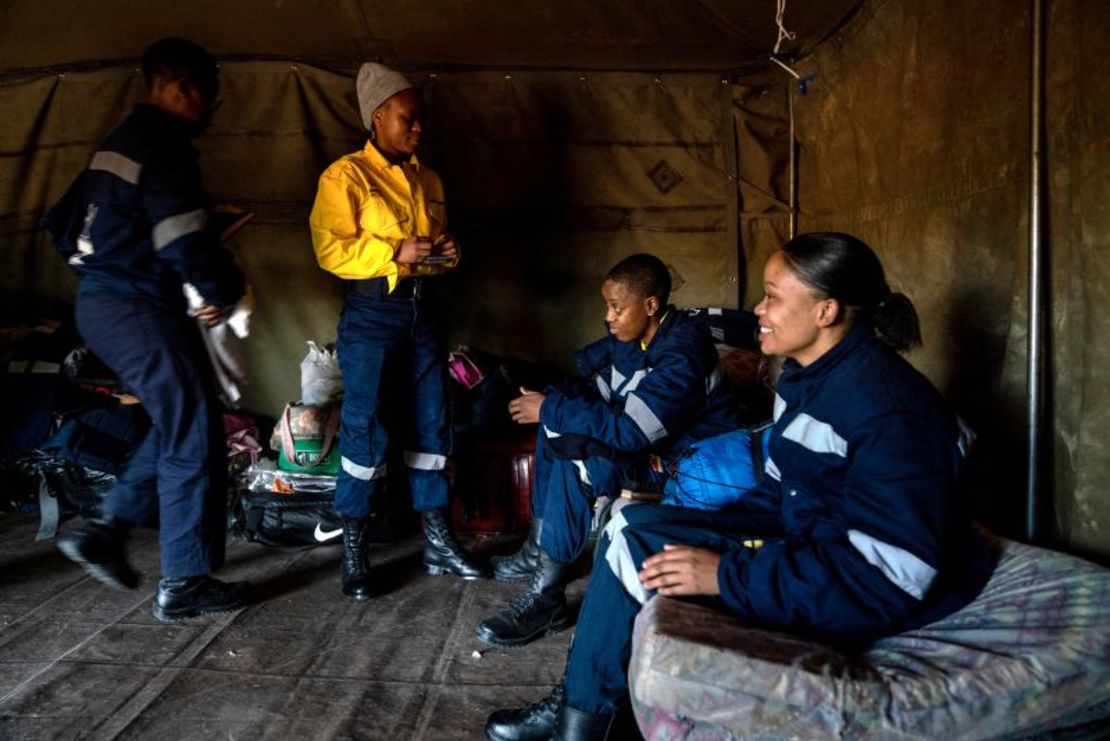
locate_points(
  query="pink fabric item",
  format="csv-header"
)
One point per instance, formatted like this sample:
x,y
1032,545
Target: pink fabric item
x,y
464,370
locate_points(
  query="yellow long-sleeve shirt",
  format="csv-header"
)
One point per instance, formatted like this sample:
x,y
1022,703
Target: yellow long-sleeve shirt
x,y
365,207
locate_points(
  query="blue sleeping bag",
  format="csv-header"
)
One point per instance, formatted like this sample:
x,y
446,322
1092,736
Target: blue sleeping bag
x,y
718,471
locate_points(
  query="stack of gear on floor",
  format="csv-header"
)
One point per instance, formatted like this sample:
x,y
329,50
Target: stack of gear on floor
x,y
290,502
71,427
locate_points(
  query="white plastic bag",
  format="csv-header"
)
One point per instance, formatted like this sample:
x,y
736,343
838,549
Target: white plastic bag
x,y
321,381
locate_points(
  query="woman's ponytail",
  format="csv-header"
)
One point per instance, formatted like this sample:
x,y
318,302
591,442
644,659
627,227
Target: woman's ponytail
x,y
896,322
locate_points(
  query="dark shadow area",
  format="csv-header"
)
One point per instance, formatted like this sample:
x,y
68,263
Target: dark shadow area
x,y
995,469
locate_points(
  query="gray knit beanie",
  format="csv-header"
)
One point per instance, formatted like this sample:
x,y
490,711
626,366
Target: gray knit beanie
x,y
375,85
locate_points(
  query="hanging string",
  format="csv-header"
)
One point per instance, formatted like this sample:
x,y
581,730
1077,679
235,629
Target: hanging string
x,y
784,35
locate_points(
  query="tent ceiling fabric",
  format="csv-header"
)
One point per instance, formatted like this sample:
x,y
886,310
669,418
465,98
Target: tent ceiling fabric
x,y
570,34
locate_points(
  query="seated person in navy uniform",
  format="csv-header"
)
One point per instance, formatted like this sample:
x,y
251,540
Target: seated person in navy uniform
x,y
135,228
656,387
858,530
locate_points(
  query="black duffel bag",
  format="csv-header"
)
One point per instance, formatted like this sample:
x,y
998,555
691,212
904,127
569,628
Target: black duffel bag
x,y
298,519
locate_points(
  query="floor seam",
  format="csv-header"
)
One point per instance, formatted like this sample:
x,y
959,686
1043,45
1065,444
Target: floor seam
x,y
112,726
57,660
439,673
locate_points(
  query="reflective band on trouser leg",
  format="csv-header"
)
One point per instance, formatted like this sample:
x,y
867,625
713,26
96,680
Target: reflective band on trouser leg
x,y
620,560
425,461
362,473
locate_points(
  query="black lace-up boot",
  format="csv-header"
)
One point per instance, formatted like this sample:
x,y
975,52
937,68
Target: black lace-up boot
x,y
536,722
100,547
190,596
522,564
356,565
541,609
573,724
443,554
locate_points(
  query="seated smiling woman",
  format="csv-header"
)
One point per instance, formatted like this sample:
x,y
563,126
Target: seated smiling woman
x,y
861,527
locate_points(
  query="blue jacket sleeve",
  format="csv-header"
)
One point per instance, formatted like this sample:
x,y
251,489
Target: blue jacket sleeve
x,y
661,406
176,205
593,358
897,494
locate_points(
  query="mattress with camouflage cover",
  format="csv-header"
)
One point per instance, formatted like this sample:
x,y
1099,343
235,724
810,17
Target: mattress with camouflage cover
x,y
1028,657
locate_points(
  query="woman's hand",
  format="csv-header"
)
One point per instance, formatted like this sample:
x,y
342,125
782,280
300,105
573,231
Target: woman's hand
x,y
211,315
447,247
525,408
682,570
413,249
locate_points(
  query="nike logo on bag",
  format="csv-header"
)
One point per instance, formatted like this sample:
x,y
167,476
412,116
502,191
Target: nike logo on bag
x,y
323,535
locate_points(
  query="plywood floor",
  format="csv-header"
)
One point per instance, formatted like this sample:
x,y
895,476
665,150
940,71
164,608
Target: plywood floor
x,y
80,660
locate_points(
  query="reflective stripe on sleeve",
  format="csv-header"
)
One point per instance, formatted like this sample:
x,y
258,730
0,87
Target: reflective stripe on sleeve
x,y
771,469
122,167
780,407
813,434
177,226
633,382
425,461
606,392
713,380
644,418
905,570
616,378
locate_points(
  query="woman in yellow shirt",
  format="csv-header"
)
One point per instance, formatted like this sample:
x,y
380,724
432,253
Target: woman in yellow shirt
x,y
379,224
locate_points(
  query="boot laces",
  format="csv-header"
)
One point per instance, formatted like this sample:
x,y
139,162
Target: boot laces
x,y
523,602
552,702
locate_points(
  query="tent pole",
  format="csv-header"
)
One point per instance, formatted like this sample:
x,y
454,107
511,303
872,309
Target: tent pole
x,y
1037,259
793,163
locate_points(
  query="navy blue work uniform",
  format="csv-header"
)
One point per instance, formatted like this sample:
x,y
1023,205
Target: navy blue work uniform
x,y
135,227
654,400
862,532
389,343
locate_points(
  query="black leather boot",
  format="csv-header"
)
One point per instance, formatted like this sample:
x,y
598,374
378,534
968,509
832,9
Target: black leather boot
x,y
573,724
442,553
356,565
541,609
536,722
522,564
100,547
198,595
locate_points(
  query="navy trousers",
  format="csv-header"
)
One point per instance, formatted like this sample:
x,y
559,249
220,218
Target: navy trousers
x,y
563,493
392,355
597,669
179,469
